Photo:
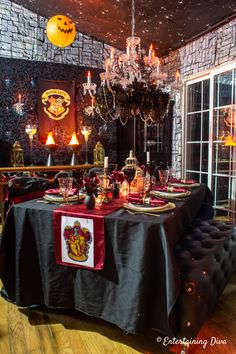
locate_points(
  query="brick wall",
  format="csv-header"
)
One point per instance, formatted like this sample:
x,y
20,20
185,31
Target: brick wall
x,y
22,36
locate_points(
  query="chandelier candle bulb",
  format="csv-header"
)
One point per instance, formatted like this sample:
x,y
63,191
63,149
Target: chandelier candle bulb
x,y
148,157
177,77
107,64
89,77
112,54
127,51
150,52
106,162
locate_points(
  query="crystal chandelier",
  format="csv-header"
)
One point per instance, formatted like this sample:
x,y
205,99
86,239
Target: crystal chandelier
x,y
132,85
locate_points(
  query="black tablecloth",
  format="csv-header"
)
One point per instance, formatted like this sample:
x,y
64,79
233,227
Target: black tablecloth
x,y
138,285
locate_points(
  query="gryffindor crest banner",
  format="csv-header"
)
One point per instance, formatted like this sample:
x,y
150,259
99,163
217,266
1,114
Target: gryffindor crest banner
x,y
56,107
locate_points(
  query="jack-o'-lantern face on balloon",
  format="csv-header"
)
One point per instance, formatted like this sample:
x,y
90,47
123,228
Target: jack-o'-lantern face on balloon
x,y
60,30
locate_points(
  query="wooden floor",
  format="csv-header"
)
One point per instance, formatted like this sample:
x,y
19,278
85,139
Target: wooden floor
x,y
27,331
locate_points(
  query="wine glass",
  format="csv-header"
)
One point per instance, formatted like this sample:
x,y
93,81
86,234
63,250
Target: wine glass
x,y
129,173
65,185
86,131
31,130
163,176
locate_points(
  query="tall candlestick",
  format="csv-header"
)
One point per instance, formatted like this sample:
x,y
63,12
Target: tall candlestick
x,y
158,67
89,78
112,54
127,51
107,63
150,52
106,162
148,157
177,77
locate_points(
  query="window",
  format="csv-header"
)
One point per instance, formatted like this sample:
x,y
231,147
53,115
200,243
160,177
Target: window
x,y
210,135
197,128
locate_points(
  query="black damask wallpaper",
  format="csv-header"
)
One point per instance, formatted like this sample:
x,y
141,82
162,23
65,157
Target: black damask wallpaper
x,y
19,77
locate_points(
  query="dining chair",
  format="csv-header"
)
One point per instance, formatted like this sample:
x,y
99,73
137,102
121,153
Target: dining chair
x,y
21,189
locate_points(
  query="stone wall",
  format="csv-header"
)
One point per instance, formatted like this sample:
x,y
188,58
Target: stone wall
x,y
22,36
207,52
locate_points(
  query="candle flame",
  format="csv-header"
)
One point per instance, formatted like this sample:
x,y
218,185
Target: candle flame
x,y
50,139
177,74
74,140
89,73
230,141
151,47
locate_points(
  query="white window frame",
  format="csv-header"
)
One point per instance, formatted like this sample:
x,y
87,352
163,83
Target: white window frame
x,y
209,74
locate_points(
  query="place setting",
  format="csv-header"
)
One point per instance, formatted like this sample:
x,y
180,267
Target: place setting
x,y
139,204
186,183
64,194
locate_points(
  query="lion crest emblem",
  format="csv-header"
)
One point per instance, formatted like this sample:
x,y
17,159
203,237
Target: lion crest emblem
x,y
78,240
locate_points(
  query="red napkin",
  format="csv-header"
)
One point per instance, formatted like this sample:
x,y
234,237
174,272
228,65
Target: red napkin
x,y
136,198
184,181
169,189
56,191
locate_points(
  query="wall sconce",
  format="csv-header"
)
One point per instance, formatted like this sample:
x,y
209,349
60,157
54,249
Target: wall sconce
x,y
230,141
50,145
75,146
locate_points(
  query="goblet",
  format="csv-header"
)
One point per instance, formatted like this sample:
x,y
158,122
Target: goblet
x,y
163,176
86,131
129,173
31,130
65,185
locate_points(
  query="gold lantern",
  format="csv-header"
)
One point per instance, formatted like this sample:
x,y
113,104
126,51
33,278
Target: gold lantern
x,y
17,155
98,154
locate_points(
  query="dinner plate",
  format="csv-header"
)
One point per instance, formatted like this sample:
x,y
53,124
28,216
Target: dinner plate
x,y
59,198
57,192
149,209
170,194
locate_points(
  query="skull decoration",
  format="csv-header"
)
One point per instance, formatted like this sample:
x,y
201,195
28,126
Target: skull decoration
x,y
60,30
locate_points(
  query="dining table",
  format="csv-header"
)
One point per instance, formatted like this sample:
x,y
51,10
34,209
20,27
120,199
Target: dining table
x,y
137,286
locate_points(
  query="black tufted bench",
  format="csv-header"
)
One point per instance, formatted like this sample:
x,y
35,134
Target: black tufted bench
x,y
206,257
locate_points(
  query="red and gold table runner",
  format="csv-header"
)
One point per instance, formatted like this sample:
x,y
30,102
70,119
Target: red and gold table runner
x,y
79,234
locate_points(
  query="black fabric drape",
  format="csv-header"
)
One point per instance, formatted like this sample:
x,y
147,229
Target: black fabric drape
x,y
138,285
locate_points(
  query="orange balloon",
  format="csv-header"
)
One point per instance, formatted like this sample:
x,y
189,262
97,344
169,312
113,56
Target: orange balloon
x,y
60,30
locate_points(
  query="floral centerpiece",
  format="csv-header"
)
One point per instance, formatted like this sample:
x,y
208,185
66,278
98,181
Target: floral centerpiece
x,y
90,185
116,178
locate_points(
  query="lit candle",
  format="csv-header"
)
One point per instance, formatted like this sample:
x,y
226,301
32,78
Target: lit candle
x,y
19,98
93,99
150,52
127,51
158,67
148,157
112,54
106,162
89,77
177,77
107,63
